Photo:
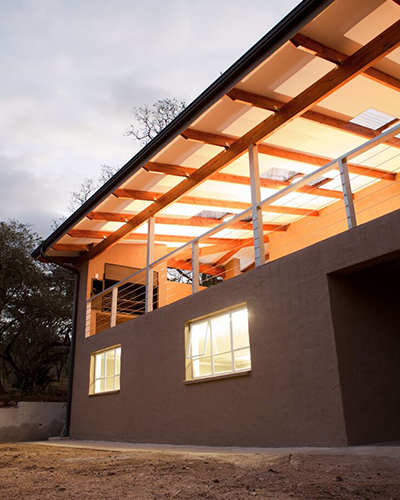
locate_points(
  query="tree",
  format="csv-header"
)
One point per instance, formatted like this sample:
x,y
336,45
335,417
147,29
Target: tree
x,y
89,186
150,120
35,312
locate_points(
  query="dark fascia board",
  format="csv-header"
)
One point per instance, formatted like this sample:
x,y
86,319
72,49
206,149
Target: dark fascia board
x,y
301,15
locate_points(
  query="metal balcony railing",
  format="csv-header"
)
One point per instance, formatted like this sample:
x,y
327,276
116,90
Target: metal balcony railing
x,y
247,233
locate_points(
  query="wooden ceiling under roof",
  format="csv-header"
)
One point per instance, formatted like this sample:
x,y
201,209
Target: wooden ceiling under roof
x,y
169,183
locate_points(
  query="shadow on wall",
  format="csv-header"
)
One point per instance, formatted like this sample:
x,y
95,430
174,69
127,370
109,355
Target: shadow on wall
x,y
31,421
366,320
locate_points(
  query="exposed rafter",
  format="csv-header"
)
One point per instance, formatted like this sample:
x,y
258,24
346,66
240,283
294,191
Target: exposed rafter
x,y
70,247
181,221
226,257
263,102
173,238
194,200
221,177
288,154
365,57
133,194
324,52
233,245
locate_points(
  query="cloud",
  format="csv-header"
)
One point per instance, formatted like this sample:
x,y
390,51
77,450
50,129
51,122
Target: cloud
x,y
73,71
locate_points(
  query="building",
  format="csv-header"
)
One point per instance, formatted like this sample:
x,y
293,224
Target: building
x,y
237,280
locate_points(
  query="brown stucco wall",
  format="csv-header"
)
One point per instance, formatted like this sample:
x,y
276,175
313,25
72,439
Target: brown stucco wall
x,y
293,395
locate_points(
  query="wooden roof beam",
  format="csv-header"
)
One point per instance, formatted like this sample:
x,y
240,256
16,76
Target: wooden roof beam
x,y
267,183
134,194
263,102
226,257
221,177
70,247
288,154
173,238
335,56
365,57
235,245
181,221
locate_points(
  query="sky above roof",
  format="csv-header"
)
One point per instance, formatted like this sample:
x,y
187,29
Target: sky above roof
x,y
73,71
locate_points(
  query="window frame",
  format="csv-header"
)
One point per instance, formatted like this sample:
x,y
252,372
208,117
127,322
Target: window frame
x,y
92,377
189,377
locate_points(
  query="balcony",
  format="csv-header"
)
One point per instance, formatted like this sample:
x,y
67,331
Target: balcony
x,y
352,189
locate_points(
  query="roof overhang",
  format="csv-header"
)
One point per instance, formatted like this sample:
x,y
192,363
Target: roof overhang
x,y
325,80
267,45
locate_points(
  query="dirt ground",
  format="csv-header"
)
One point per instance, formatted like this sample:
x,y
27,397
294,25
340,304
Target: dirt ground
x,y
29,471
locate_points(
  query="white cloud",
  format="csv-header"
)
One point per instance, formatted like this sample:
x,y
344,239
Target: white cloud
x,y
72,72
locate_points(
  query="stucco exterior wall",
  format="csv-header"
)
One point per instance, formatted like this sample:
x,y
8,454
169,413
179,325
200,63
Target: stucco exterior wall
x,y
31,421
293,395
132,256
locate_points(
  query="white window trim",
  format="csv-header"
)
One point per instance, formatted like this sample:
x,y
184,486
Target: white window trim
x,y
93,379
190,359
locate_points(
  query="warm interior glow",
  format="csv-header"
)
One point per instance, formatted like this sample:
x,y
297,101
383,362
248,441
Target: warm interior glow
x,y
218,345
106,370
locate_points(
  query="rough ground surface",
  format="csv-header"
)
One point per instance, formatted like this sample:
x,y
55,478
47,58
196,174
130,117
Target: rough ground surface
x,y
42,472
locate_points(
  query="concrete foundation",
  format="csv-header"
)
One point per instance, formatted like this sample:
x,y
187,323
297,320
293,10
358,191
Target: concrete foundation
x,y
31,421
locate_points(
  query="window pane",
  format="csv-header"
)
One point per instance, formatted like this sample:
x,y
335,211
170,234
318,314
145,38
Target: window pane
x,y
110,363
221,334
202,367
223,363
117,383
242,359
99,365
110,384
118,361
198,339
240,328
99,385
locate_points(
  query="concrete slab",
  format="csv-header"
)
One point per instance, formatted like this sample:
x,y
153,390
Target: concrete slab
x,y
382,449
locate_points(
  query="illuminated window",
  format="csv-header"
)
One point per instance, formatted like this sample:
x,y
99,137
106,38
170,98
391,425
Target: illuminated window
x,y
105,371
218,345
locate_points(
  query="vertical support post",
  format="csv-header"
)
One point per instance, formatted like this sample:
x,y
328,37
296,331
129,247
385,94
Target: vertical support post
x,y
149,269
347,193
195,266
114,301
88,329
258,230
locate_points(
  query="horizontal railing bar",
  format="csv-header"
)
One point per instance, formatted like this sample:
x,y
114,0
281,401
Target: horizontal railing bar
x,y
326,168
371,144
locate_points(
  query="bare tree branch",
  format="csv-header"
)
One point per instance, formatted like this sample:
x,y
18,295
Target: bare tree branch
x,y
150,120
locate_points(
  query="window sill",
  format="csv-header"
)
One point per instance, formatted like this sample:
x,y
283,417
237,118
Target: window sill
x,y
217,377
105,393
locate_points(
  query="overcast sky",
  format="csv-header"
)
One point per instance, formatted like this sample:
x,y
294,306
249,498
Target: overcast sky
x,y
71,72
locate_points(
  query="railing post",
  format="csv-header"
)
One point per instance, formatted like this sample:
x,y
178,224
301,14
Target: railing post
x,y
88,329
258,231
195,266
114,301
149,269
347,193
